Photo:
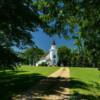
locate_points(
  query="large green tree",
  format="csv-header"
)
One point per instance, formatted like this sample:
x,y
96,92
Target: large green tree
x,y
64,55
18,18
85,13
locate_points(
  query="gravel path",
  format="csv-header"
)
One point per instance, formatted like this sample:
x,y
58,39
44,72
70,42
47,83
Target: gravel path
x,y
54,87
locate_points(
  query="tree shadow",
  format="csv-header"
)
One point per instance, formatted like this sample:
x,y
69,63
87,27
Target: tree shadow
x,y
80,96
55,86
76,84
51,85
46,87
12,84
34,85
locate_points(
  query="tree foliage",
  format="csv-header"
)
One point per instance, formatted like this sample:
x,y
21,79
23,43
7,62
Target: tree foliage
x,y
19,18
64,55
32,55
8,58
85,13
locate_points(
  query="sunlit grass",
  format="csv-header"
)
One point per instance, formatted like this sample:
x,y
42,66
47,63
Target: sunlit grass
x,y
40,69
85,81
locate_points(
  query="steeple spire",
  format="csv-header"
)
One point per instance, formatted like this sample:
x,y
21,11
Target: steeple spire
x,y
53,42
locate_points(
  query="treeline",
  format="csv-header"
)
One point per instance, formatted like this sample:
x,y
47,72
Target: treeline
x,y
31,55
66,56
69,57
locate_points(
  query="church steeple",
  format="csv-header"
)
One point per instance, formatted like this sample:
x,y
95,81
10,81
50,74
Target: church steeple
x,y
52,58
53,42
53,54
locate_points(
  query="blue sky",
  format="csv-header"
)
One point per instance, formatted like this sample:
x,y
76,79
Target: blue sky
x,y
43,41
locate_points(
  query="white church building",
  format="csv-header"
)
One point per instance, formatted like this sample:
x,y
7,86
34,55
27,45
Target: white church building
x,y
52,58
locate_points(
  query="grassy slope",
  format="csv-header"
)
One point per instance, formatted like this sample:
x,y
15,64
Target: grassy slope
x,y
86,82
40,70
15,82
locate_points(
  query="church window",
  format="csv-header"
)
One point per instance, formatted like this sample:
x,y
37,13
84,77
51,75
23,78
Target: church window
x,y
54,56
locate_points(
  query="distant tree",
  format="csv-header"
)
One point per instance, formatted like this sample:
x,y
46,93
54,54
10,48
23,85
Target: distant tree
x,y
8,58
64,55
32,55
43,64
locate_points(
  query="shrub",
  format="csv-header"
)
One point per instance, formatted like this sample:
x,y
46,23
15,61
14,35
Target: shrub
x,y
43,64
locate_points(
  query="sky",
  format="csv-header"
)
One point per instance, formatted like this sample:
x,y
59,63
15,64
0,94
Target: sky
x,y
43,41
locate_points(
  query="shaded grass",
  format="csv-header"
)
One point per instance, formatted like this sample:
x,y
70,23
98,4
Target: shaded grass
x,y
85,83
23,78
47,87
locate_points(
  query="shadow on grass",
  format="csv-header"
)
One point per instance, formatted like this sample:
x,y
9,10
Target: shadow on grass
x,y
12,84
76,84
79,96
47,87
51,86
55,86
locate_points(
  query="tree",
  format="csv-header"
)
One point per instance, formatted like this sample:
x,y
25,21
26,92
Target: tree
x,y
85,13
8,58
64,55
32,55
17,20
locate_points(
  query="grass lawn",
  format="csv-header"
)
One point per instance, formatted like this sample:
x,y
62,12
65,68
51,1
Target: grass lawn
x,y
15,82
85,83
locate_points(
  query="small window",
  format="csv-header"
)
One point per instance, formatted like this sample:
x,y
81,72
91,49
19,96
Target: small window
x,y
54,56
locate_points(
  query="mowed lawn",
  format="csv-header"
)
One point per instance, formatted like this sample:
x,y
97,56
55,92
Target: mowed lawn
x,y
15,82
85,83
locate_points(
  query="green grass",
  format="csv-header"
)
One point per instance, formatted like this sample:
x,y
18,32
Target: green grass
x,y
85,82
15,82
40,70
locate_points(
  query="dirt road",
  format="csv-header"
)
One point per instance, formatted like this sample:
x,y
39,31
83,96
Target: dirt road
x,y
54,87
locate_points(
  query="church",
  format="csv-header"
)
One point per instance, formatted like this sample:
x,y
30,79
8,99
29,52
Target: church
x,y
51,58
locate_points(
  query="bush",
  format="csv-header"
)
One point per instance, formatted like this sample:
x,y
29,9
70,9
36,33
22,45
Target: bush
x,y
43,64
